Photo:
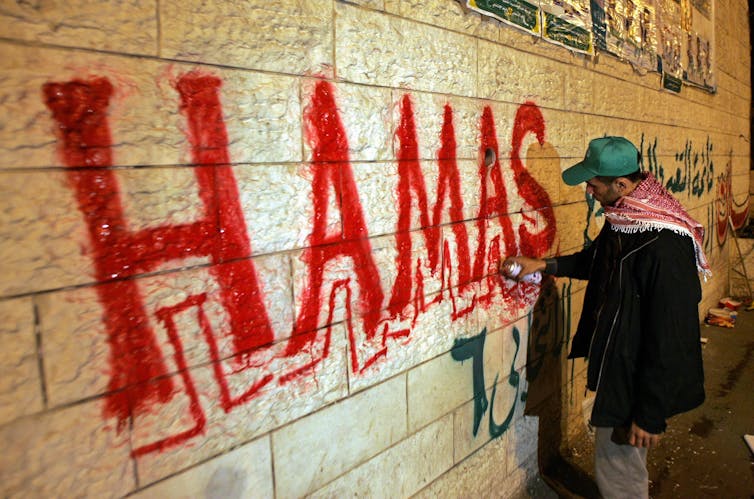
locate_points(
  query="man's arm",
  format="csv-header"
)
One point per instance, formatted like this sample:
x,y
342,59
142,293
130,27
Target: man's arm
x,y
576,265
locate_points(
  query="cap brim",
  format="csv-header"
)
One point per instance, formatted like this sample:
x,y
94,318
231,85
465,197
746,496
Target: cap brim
x,y
577,174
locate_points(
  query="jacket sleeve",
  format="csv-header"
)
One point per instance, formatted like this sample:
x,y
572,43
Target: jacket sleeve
x,y
669,291
577,265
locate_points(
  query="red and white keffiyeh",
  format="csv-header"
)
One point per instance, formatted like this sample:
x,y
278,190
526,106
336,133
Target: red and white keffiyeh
x,y
651,207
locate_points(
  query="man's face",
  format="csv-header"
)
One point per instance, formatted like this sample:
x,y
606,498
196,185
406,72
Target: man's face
x,y
606,194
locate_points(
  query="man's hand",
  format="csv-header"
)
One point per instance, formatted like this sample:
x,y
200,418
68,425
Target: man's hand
x,y
640,438
528,266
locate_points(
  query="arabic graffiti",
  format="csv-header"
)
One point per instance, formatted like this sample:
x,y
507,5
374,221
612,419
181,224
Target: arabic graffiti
x,y
473,348
695,175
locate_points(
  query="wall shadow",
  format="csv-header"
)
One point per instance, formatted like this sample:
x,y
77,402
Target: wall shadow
x,y
546,368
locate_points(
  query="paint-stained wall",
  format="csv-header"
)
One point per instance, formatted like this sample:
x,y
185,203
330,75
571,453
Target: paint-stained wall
x,y
249,248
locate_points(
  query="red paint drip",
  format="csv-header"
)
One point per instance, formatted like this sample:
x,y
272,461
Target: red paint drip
x,y
333,173
529,119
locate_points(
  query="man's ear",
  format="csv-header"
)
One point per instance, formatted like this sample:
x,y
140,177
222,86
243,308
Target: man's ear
x,y
621,184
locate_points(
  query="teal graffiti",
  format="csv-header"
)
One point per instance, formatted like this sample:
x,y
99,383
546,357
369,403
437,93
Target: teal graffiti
x,y
590,213
513,379
695,175
473,348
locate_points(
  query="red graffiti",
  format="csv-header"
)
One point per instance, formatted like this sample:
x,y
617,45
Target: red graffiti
x,y
80,109
333,173
138,372
726,206
491,206
139,379
529,120
411,179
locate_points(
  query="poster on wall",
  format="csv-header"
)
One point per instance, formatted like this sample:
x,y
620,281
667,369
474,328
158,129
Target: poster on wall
x,y
641,48
518,13
699,60
627,29
597,8
671,44
697,47
608,25
568,23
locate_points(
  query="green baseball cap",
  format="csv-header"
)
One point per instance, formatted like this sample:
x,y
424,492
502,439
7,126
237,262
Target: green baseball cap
x,y
605,157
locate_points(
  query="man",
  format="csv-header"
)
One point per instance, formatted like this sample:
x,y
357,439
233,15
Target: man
x,y
639,327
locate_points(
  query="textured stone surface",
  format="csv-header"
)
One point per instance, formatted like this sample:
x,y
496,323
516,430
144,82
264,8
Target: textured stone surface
x,y
481,474
242,472
275,404
292,38
374,49
74,338
512,76
318,448
443,384
430,452
122,26
20,384
42,241
96,458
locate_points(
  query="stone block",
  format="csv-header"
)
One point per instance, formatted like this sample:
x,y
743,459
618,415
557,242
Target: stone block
x,y
377,184
42,240
317,449
454,16
294,38
522,442
69,452
215,407
262,112
431,112
474,428
401,470
121,26
481,474
579,88
420,333
372,48
516,77
576,223
441,385
20,383
242,472
77,335
607,88
279,207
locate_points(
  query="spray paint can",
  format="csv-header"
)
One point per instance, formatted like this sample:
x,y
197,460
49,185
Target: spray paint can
x,y
513,269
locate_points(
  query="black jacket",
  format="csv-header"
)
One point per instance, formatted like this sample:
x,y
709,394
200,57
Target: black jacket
x,y
639,326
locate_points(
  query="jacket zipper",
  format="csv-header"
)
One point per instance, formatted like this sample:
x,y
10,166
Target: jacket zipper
x,y
615,318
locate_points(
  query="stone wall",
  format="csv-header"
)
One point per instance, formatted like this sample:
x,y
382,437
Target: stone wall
x,y
249,248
